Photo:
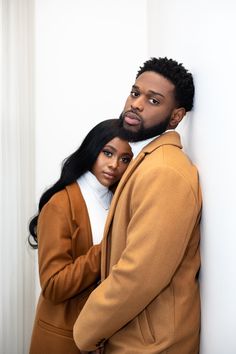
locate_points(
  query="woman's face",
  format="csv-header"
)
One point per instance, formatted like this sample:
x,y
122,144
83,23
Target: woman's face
x,y
112,161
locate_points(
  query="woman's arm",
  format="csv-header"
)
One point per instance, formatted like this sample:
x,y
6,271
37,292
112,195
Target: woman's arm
x,y
61,275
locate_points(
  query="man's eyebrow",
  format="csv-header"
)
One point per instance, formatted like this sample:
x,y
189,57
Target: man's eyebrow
x,y
149,91
156,93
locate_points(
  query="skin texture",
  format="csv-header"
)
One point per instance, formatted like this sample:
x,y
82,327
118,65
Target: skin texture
x,y
112,162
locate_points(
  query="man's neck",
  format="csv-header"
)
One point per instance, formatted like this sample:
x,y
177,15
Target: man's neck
x,y
137,146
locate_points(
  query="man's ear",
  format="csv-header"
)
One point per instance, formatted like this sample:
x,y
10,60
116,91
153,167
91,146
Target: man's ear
x,y
176,117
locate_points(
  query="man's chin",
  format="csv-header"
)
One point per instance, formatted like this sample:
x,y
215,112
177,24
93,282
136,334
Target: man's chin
x,y
131,128
128,134
138,132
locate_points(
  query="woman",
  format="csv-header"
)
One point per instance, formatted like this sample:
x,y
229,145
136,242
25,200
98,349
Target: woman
x,y
67,232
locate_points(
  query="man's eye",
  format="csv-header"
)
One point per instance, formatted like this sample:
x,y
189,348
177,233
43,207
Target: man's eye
x,y
134,94
154,101
107,153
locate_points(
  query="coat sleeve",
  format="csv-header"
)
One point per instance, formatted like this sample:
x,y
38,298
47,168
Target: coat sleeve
x,y
62,276
162,219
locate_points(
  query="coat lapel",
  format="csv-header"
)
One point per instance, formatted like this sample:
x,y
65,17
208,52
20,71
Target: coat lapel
x,y
133,165
120,187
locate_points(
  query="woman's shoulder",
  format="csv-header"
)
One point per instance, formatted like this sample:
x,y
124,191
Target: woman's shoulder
x,y
67,203
69,195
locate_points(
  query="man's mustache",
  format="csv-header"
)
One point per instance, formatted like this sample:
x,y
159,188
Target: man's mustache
x,y
131,112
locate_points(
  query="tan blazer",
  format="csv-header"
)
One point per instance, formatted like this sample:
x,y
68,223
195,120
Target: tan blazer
x,y
148,301
69,268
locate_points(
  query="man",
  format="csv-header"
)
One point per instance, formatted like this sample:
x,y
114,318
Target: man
x,y
148,300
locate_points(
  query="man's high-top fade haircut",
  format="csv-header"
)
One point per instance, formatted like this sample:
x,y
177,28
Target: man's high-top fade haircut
x,y
177,74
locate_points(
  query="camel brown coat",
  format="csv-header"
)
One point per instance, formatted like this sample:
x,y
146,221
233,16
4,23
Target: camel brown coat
x,y
148,301
69,268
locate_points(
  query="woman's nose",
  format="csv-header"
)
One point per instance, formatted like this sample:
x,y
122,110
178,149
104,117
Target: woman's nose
x,y
113,163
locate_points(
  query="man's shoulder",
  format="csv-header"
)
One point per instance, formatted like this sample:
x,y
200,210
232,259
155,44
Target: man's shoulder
x,y
167,155
171,138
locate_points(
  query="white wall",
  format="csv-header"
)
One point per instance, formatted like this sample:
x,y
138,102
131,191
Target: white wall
x,y
201,34
87,53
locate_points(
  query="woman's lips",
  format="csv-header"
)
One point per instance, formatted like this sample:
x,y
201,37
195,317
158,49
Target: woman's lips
x,y
109,175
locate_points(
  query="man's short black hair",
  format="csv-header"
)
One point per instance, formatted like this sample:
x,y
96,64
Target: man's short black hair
x,y
177,74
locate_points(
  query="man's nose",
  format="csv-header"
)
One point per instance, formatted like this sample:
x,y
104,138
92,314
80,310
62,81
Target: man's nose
x,y
138,103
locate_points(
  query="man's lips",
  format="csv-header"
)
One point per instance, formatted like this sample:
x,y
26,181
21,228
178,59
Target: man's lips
x,y
131,118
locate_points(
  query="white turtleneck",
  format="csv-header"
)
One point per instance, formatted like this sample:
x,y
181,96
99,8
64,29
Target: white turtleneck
x,y
137,146
98,199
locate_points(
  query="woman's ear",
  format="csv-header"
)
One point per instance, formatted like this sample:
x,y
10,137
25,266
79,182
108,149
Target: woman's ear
x,y
176,117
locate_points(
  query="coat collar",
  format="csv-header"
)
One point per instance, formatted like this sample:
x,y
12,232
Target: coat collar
x,y
76,201
168,138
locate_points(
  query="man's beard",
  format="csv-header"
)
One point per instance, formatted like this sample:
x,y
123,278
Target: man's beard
x,y
143,133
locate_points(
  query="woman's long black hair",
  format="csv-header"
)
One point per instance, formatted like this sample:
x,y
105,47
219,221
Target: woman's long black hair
x,y
81,161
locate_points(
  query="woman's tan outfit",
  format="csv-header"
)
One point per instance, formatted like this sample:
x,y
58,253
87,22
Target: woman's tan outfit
x,y
69,269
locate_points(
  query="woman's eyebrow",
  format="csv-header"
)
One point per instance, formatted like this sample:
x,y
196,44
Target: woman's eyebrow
x,y
110,147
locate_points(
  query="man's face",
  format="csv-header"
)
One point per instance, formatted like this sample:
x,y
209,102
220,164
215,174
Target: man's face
x,y
149,107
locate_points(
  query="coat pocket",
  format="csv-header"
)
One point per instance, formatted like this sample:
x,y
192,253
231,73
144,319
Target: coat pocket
x,y
55,330
146,327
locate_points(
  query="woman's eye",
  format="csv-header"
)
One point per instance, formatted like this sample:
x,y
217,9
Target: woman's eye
x,y
126,159
107,153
